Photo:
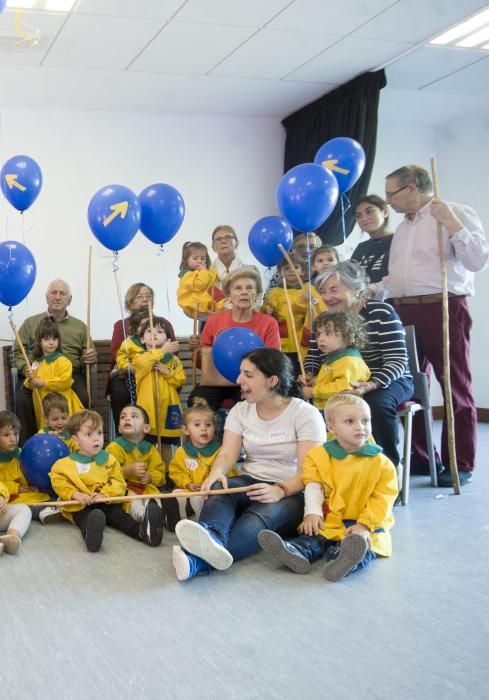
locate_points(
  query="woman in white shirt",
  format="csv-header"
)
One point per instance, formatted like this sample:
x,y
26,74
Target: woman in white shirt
x,y
276,429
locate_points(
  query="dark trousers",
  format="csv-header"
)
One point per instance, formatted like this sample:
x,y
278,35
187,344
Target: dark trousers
x,y
116,517
383,407
24,408
215,395
427,320
314,547
120,396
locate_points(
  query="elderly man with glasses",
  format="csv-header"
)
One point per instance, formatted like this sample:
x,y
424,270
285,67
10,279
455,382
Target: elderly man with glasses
x,y
413,286
74,336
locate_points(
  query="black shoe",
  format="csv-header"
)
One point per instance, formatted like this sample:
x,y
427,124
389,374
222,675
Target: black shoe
x,y
423,469
151,529
353,548
94,534
171,512
445,478
273,544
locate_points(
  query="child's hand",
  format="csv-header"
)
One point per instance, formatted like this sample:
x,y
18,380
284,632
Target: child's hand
x,y
38,383
160,367
29,373
193,487
307,392
268,309
311,525
145,478
134,469
82,498
171,346
97,497
3,504
194,342
360,530
304,296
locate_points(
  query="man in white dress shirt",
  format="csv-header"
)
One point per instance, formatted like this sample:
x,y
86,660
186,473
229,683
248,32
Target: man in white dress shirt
x,y
413,286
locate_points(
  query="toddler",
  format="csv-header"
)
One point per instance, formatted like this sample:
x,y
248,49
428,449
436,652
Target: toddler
x,y
350,491
197,284
56,414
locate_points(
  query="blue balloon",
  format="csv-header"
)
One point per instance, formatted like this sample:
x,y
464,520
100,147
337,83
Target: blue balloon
x,y
265,236
306,196
38,455
114,215
162,212
230,346
344,158
2,5
21,179
17,272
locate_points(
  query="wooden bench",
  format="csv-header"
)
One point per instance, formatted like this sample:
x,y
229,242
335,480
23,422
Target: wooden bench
x,y
100,402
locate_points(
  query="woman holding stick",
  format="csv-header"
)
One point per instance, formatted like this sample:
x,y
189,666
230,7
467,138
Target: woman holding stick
x,y
276,429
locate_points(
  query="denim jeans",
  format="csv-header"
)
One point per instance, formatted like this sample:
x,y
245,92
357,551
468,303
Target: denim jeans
x,y
236,520
314,547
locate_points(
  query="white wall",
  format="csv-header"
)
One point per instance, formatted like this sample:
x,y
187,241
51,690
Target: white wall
x,y
225,168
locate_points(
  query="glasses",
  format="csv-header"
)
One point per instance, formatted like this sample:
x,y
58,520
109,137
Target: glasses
x,y
224,239
143,297
391,194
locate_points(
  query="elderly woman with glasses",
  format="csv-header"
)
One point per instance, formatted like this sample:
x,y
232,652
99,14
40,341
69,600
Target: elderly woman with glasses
x,y
139,297
343,287
225,243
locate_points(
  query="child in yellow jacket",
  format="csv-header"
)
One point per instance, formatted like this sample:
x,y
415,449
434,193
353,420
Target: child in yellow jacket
x,y
11,474
51,370
340,335
193,461
15,517
56,414
350,492
197,286
91,474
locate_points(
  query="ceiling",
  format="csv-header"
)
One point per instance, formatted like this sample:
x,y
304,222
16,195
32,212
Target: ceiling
x,y
262,58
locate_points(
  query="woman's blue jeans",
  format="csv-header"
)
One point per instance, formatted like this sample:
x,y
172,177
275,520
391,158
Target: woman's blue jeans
x,y
236,520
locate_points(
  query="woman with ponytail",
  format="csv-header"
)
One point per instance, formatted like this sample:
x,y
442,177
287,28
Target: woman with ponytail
x,y
276,428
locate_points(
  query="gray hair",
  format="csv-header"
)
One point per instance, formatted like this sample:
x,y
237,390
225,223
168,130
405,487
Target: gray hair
x,y
59,281
349,273
413,175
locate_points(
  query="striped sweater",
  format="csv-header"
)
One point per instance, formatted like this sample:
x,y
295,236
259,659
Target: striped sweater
x,y
385,354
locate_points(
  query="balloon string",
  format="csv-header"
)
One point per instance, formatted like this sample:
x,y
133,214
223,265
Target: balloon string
x,y
309,285
345,206
12,359
130,379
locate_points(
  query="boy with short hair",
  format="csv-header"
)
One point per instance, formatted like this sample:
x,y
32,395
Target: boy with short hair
x,y
56,414
92,473
350,491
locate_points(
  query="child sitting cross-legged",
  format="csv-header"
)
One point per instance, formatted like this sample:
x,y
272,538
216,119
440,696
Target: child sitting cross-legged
x,y
193,461
15,518
92,473
350,491
142,465
340,335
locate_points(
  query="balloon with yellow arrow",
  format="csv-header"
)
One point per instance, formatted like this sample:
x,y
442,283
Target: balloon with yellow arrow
x,y
114,215
344,158
21,181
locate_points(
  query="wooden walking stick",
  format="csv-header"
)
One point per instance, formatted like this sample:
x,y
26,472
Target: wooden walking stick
x,y
446,348
294,331
194,352
156,395
89,344
156,496
26,360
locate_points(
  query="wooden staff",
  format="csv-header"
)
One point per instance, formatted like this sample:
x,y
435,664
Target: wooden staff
x,y
26,359
194,352
156,396
157,496
89,344
299,278
296,339
446,347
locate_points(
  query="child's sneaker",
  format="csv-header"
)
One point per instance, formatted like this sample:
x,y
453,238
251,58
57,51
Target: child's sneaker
x,y
199,540
151,528
353,548
50,514
94,533
11,543
273,544
187,565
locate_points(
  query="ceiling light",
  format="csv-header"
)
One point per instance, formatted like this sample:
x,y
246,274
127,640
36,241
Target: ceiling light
x,y
48,5
462,29
475,38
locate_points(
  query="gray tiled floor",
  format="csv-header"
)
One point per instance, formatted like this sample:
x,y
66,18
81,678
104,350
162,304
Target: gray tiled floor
x,y
118,624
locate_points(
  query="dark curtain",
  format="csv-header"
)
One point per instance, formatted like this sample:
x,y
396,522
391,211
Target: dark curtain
x,y
350,110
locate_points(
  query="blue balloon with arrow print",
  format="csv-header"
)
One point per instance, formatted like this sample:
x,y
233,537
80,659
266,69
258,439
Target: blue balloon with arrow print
x,y
114,215
21,179
344,158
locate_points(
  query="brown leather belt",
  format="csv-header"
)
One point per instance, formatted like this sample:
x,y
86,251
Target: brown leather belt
x,y
424,299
